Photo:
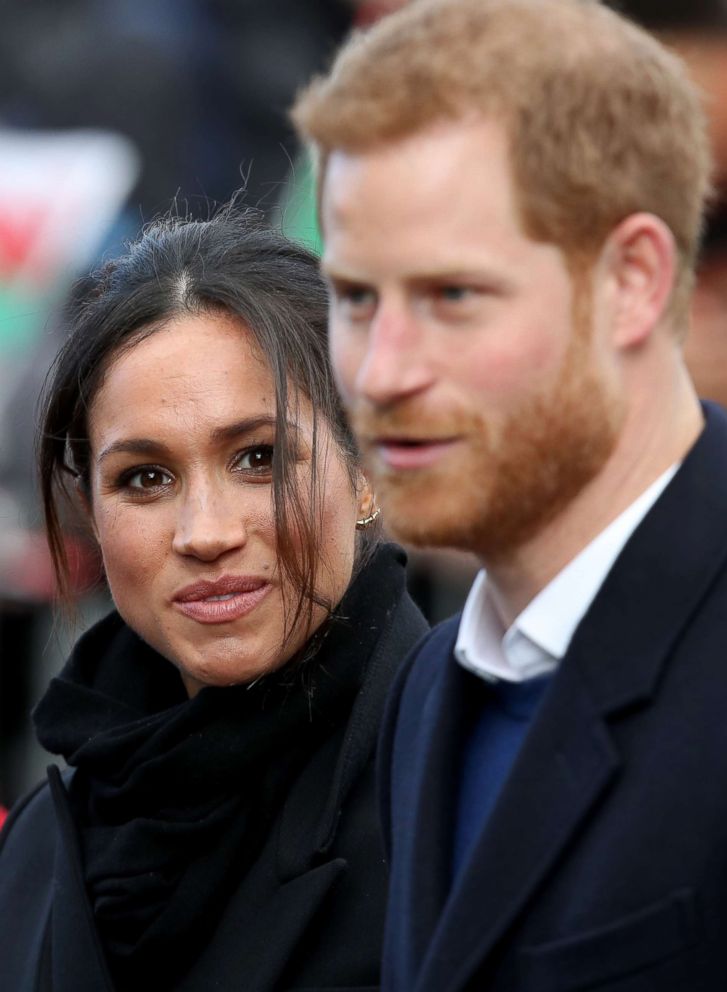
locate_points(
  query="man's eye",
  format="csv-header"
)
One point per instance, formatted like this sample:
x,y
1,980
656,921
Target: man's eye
x,y
258,459
148,478
359,297
355,298
454,294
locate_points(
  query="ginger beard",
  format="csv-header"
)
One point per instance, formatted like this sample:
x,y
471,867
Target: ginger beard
x,y
508,479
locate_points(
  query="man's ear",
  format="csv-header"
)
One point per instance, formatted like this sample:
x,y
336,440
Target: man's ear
x,y
640,259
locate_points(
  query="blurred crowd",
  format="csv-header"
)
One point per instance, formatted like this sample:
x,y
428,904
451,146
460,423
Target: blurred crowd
x,y
111,112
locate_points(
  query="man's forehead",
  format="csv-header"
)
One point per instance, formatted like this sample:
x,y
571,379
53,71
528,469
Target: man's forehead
x,y
446,191
426,158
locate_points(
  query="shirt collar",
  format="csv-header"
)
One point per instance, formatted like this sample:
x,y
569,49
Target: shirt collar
x,y
540,635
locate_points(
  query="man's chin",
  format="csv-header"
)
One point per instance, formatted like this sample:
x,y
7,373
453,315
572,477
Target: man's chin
x,y
423,513
436,512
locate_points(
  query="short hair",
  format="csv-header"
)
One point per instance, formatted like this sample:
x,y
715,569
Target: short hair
x,y
602,120
232,264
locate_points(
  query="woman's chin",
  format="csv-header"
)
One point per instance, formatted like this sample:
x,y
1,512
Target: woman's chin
x,y
222,672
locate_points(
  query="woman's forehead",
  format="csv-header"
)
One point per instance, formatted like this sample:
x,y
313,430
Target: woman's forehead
x,y
197,377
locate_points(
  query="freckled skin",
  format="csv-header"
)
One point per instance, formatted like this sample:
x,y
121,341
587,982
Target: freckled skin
x,y
200,509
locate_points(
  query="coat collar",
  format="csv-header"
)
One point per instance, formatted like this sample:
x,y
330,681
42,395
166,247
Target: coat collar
x,y
659,580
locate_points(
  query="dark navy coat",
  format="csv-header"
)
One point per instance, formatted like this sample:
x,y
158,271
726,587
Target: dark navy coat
x,y
604,863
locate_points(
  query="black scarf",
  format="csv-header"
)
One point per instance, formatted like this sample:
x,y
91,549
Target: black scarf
x,y
174,796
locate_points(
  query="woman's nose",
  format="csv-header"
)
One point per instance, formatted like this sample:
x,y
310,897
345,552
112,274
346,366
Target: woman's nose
x,y
209,525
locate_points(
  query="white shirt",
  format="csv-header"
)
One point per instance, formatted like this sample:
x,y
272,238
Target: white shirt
x,y
540,635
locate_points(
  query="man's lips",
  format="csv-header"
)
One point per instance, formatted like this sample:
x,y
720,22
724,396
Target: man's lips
x,y
404,453
221,600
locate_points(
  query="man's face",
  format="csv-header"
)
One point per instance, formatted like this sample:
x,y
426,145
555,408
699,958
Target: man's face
x,y
480,391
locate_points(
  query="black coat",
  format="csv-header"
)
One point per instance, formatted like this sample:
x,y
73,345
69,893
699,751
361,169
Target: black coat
x,y
308,914
604,863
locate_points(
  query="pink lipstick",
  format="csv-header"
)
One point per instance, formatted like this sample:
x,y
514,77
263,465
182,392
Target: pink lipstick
x,y
222,600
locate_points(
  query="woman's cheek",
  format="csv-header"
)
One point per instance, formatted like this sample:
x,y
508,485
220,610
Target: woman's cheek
x,y
133,546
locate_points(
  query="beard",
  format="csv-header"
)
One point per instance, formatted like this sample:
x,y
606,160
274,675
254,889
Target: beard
x,y
502,483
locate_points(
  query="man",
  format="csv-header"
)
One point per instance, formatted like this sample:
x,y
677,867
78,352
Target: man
x,y
511,195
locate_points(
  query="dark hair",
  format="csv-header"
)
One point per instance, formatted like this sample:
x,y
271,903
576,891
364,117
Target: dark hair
x,y
231,264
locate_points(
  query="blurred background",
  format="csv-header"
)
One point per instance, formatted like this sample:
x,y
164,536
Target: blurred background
x,y
111,111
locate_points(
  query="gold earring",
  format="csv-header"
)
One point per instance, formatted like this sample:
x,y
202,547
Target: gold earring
x,y
367,521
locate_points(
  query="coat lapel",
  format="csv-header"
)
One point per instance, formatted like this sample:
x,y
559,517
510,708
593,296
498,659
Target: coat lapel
x,y
269,913
566,765
422,754
431,836
260,930
77,962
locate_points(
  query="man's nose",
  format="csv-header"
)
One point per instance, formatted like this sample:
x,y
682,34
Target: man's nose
x,y
210,523
394,365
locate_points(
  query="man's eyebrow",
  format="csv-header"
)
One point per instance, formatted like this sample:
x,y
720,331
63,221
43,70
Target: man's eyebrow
x,y
456,275
484,275
339,275
149,446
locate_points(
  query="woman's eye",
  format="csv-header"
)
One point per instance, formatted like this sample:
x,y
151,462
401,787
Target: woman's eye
x,y
148,478
258,459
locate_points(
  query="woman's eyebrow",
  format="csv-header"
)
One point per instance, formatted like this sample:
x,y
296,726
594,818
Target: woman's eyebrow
x,y
245,426
134,446
148,446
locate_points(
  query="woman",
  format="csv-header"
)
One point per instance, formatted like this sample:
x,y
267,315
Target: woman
x,y
217,826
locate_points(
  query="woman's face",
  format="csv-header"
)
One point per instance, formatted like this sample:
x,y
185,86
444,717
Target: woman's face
x,y
182,431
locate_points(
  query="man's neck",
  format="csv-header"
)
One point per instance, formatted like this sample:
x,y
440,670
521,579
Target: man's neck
x,y
651,441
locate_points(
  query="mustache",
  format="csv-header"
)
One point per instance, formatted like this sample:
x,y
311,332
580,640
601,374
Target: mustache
x,y
413,420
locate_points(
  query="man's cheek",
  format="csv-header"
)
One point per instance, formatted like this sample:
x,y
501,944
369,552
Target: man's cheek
x,y
346,358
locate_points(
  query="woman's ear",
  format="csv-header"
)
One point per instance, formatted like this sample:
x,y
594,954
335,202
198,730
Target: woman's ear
x,y
364,493
368,510
83,495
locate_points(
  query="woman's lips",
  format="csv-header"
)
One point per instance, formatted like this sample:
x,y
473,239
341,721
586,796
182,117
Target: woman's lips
x,y
402,455
221,601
